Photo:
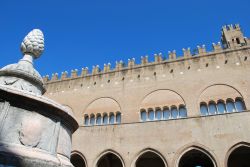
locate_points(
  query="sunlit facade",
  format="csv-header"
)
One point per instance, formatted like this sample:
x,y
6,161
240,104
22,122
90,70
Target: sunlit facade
x,y
190,110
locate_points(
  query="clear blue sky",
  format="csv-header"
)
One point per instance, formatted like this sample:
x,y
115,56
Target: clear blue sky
x,y
81,33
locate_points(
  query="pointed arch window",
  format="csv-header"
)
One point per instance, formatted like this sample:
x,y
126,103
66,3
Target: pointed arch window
x,y
105,119
158,114
92,120
230,106
174,112
111,118
221,107
239,104
182,112
86,120
99,119
166,113
212,108
151,115
203,109
143,115
118,118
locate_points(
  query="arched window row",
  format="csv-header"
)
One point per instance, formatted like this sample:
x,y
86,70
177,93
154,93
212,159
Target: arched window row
x,y
166,113
102,119
222,107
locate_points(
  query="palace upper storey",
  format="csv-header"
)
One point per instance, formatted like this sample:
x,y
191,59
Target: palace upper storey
x,y
204,83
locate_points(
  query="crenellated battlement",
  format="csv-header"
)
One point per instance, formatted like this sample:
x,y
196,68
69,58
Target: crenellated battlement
x,y
200,51
231,27
120,65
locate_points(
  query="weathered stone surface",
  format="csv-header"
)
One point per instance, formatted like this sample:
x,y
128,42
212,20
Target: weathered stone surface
x,y
33,43
31,125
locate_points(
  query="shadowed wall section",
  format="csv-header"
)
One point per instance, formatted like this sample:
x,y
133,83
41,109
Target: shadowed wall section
x,y
102,105
162,98
102,111
219,92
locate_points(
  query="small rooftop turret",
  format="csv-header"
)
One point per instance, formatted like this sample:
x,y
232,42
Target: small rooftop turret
x,y
232,36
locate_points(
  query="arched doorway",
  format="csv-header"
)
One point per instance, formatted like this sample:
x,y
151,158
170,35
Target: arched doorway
x,y
195,158
109,160
239,157
77,160
150,159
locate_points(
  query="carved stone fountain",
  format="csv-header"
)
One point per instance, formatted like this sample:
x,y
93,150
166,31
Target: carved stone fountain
x,y
34,130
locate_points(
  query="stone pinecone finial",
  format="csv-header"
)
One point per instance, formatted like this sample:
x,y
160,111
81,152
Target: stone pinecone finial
x,y
33,43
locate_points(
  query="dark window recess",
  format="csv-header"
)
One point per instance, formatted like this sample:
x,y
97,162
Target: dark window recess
x,y
238,40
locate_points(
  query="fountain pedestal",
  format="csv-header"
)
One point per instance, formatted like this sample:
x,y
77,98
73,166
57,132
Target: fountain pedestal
x,y
34,130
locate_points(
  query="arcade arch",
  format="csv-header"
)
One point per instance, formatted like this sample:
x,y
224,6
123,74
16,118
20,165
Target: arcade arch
x,y
110,159
150,158
77,159
239,155
195,155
